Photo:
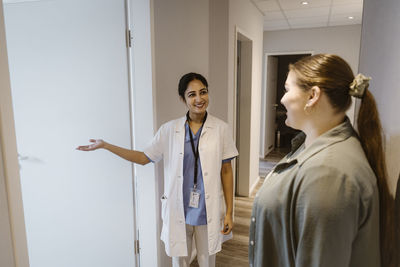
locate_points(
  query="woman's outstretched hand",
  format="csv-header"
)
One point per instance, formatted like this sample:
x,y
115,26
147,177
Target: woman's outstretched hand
x,y
96,144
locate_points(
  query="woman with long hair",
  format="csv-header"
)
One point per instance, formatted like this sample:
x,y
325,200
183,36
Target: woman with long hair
x,y
327,202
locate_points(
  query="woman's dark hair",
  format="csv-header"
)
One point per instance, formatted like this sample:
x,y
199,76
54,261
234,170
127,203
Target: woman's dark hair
x,y
186,79
333,76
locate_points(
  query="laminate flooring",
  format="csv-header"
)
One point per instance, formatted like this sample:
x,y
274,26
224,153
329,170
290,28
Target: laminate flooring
x,y
235,251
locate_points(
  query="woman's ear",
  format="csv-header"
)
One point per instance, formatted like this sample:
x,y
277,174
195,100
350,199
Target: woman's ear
x,y
314,96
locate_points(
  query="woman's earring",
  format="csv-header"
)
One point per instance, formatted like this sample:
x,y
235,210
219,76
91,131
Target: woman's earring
x,y
306,110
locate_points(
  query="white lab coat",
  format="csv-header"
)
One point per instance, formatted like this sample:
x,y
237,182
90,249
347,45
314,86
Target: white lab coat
x,y
216,144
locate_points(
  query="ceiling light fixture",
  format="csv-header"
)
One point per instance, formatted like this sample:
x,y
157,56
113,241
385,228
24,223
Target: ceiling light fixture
x,y
350,17
304,3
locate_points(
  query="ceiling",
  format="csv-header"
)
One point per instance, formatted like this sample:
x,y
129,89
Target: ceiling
x,y
292,14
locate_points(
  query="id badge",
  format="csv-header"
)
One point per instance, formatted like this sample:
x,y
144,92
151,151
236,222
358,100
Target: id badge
x,y
194,198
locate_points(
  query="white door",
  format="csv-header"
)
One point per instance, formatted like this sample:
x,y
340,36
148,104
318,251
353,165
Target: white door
x,y
69,76
270,107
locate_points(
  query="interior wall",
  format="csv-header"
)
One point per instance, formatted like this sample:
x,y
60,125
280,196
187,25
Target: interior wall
x,y
181,43
340,40
6,246
13,247
218,58
243,15
9,163
379,58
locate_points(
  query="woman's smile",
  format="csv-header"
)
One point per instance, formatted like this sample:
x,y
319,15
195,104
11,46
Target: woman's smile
x,y
196,97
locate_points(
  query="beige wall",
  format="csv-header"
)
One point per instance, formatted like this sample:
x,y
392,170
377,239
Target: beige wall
x,y
379,59
340,40
181,45
190,36
10,187
218,58
244,16
6,246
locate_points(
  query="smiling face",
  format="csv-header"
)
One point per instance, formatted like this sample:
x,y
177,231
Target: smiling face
x,y
196,97
294,101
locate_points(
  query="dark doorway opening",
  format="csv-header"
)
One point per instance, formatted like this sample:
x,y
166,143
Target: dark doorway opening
x,y
283,133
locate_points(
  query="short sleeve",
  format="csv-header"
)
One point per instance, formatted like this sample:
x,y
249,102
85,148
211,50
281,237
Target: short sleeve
x,y
229,149
227,160
154,152
326,210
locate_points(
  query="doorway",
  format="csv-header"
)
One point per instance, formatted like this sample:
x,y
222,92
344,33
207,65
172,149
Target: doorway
x,y
70,81
275,135
244,54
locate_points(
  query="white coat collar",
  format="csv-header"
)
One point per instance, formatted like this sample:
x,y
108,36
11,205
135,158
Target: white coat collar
x,y
209,124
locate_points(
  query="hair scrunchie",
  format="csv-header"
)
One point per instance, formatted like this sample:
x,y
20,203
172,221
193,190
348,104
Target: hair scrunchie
x,y
359,85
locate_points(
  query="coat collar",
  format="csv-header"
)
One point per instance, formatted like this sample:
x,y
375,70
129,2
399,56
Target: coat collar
x,y
333,136
209,124
337,134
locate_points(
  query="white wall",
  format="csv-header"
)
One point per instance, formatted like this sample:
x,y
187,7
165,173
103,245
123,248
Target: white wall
x,y
9,168
249,20
379,59
340,40
13,247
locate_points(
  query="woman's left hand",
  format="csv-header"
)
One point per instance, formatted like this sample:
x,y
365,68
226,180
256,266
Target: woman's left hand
x,y
228,224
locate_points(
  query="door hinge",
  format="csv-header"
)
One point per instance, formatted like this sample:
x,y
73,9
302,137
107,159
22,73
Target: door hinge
x,y
137,247
128,38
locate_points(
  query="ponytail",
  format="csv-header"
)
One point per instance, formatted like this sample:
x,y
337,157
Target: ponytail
x,y
371,138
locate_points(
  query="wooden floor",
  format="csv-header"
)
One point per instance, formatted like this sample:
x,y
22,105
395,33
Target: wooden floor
x,y
235,251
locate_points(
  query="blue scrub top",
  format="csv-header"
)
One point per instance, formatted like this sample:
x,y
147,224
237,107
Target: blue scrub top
x,y
193,216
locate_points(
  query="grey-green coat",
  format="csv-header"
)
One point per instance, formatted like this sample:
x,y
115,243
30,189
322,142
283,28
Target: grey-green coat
x,y
319,207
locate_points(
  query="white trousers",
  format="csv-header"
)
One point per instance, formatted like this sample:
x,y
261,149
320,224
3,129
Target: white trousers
x,y
200,236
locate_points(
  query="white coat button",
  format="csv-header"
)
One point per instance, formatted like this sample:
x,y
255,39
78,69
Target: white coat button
x,y
206,173
209,220
252,242
207,196
253,219
180,221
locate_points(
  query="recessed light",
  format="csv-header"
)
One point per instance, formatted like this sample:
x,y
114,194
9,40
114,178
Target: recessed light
x,y
350,17
304,3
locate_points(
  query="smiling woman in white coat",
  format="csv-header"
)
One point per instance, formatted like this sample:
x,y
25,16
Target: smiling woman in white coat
x,y
197,150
